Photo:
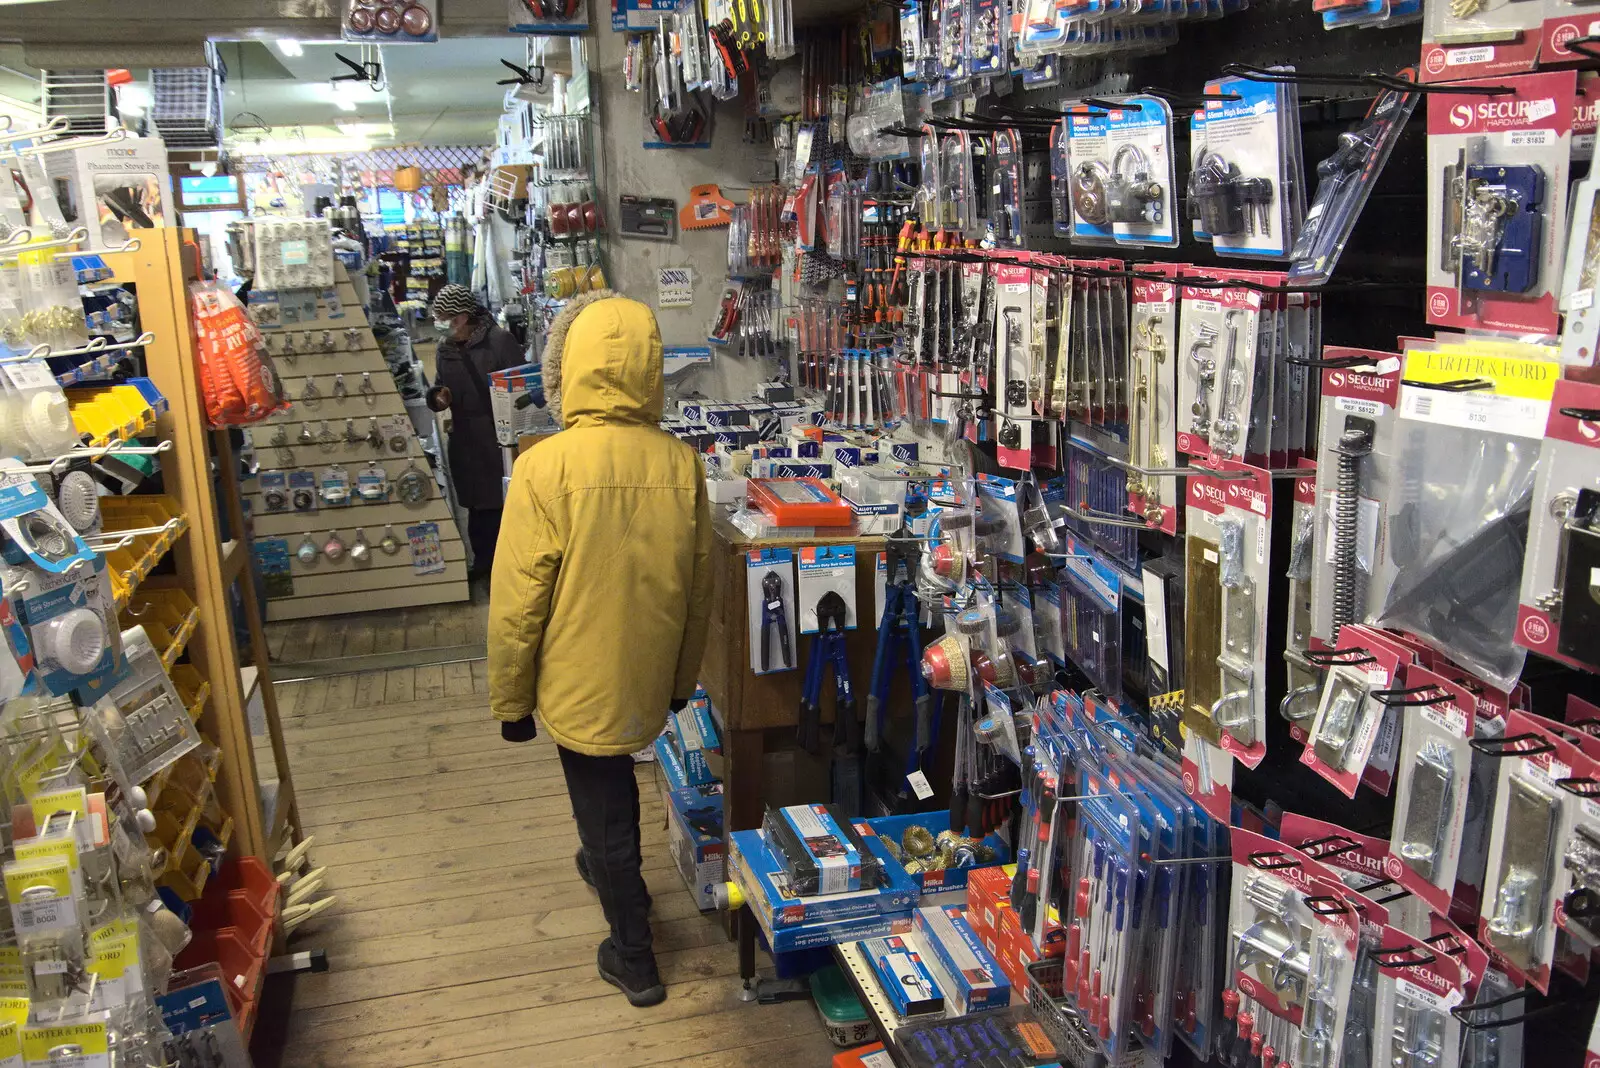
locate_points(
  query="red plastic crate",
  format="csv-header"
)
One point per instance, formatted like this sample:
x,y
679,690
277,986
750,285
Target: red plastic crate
x,y
238,909
243,968
254,878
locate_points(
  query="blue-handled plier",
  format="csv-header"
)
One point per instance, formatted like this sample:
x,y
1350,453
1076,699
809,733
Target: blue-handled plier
x,y
828,651
900,643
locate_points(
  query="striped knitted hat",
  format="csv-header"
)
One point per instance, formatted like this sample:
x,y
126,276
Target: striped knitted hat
x,y
454,299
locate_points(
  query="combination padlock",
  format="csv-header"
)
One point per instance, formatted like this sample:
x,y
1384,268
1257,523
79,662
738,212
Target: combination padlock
x,y
1132,196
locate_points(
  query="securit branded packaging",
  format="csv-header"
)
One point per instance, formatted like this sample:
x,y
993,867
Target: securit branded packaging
x,y
1215,367
1497,182
1466,40
1557,614
1229,523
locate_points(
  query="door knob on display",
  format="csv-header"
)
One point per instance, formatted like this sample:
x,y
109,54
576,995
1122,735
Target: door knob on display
x,y
333,548
390,544
360,551
340,390
307,550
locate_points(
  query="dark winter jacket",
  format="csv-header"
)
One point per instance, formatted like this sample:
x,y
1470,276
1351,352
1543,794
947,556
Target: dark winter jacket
x,y
475,463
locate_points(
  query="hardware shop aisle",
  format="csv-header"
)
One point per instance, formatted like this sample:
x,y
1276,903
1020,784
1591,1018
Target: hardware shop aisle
x,y
462,934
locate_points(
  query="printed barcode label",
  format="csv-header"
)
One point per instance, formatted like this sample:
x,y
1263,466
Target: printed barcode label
x,y
1422,406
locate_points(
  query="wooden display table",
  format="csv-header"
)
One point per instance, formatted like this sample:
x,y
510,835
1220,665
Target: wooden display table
x,y
758,709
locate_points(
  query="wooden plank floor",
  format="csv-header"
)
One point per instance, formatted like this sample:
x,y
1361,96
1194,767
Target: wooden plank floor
x,y
463,935
422,627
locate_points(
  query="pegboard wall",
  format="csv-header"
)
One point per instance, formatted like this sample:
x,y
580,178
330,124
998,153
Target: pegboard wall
x,y
1378,291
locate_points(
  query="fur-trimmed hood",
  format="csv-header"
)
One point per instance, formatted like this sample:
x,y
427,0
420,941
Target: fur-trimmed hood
x,y
602,362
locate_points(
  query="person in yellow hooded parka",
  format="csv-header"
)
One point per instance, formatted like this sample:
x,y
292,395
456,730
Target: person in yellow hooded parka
x,y
598,604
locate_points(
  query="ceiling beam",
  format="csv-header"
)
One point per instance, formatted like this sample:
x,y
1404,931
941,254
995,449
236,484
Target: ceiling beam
x,y
121,33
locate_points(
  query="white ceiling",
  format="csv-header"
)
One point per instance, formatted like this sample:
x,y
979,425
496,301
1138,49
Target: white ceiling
x,y
438,94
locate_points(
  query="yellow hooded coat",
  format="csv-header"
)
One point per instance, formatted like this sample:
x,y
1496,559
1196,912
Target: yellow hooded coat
x,y
602,576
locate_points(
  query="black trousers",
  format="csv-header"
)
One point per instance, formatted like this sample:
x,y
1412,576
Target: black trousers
x,y
605,803
483,530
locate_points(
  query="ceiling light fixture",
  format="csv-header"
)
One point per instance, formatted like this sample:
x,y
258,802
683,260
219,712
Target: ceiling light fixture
x,y
290,47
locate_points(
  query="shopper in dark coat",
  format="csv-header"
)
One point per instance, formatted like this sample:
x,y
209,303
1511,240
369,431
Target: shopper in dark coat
x,y
471,347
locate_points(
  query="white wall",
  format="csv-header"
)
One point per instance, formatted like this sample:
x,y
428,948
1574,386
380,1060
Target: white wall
x,y
625,166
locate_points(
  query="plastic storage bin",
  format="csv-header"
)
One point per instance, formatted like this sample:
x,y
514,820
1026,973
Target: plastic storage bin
x,y
843,1015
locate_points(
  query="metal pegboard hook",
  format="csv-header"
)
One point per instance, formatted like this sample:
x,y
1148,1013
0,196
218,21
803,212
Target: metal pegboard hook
x,y
67,144
77,236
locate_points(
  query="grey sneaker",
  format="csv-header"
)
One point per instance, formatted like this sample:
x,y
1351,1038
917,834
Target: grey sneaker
x,y
641,986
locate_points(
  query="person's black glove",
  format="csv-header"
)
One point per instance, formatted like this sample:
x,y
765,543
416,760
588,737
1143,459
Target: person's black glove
x,y
519,730
677,705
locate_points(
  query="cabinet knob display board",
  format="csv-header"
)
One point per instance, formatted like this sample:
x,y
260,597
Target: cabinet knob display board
x,y
347,514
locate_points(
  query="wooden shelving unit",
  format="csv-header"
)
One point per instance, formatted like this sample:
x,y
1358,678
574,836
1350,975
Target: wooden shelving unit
x,y
207,568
